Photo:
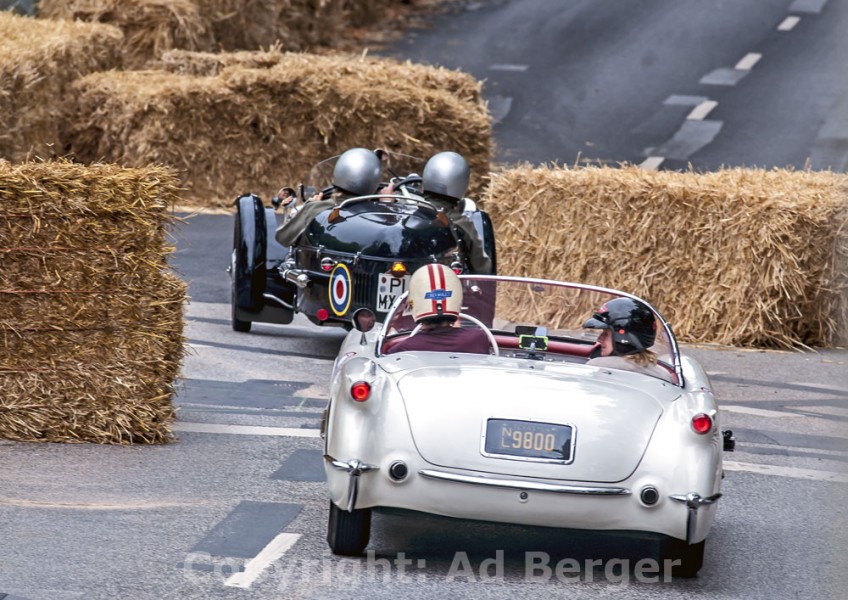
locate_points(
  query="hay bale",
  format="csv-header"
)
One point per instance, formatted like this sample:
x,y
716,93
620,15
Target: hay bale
x,y
91,319
257,129
297,25
38,61
150,26
744,257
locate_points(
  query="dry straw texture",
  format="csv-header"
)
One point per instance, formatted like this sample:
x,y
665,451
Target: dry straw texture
x,y
38,61
255,129
155,26
90,317
743,257
150,26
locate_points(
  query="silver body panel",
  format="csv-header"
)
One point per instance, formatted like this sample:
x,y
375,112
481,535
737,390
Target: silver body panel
x,y
429,411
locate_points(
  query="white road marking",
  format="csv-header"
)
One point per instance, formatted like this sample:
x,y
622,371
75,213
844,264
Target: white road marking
x,y
831,411
748,61
256,565
678,100
789,23
820,386
652,163
700,112
513,68
244,429
757,412
809,474
740,447
807,6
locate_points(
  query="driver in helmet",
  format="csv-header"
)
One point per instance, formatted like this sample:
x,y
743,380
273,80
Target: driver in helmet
x,y
356,173
444,182
628,330
435,299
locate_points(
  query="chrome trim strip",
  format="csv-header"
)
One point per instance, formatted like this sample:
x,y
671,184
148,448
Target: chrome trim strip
x,y
525,485
693,500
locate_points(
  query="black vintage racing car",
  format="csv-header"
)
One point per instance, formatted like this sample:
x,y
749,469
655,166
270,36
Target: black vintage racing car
x,y
358,254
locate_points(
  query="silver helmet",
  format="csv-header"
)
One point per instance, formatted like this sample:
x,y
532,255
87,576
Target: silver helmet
x,y
357,171
447,174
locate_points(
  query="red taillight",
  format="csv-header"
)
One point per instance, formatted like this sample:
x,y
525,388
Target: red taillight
x,y
360,391
456,267
323,314
702,423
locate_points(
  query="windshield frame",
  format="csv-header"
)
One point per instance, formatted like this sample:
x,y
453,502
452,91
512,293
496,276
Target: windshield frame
x,y
674,349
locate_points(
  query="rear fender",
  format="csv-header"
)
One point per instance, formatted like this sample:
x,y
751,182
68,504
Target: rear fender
x,y
483,224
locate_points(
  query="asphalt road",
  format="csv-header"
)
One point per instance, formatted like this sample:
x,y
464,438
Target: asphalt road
x,y
727,82
237,508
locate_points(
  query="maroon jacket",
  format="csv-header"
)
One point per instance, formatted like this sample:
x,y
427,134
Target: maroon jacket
x,y
445,339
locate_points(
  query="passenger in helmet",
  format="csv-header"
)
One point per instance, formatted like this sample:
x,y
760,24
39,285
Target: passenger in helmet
x,y
435,299
628,330
356,173
444,183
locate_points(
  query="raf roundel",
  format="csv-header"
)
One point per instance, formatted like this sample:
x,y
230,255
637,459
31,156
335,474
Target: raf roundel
x,y
340,292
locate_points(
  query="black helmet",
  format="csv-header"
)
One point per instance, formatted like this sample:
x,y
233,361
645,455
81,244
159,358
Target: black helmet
x,y
631,323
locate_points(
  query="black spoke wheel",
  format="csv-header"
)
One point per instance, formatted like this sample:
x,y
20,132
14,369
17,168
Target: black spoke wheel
x,y
348,532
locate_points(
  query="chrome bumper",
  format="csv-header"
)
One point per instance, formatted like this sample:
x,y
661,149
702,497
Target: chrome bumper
x,y
693,502
354,468
525,485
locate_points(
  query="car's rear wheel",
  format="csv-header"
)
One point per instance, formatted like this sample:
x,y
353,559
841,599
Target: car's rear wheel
x,y
348,532
688,557
238,324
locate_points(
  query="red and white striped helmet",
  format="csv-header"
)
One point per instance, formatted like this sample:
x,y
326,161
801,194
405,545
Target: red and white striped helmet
x,y
434,291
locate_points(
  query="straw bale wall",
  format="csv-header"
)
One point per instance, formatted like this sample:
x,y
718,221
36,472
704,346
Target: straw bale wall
x,y
150,27
91,319
38,62
744,257
154,26
259,128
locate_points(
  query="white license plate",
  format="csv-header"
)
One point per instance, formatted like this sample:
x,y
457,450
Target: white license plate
x,y
389,288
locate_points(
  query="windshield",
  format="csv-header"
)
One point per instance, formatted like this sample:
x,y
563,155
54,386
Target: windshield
x,y
513,307
395,165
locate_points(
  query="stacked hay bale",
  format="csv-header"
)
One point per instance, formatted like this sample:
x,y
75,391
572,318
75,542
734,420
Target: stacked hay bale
x,y
90,318
259,128
38,62
744,257
154,26
150,27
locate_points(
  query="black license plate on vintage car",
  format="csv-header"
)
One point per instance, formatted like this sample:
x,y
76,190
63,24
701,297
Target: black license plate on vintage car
x,y
529,440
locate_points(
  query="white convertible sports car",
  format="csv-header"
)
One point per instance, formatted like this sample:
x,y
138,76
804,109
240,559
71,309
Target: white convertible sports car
x,y
528,434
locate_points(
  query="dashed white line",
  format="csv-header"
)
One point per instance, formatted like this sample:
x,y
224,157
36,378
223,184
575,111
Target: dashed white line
x,y
757,412
748,61
652,163
700,112
792,472
256,565
244,429
507,67
789,23
808,6
793,449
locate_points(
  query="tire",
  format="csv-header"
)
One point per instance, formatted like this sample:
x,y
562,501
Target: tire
x,y
348,532
238,324
691,557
